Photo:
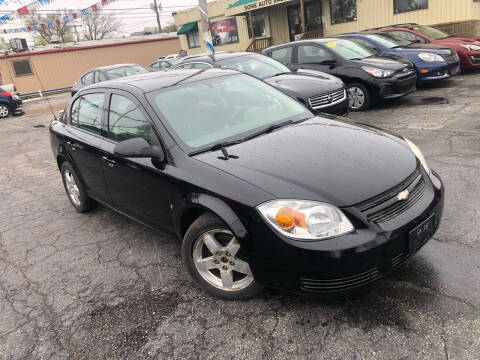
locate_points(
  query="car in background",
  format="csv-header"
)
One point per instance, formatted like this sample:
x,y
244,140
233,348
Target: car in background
x,y
366,74
104,73
9,103
468,49
432,62
258,190
320,92
162,64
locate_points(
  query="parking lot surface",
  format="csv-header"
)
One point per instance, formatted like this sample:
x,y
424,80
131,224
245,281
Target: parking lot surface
x,y
100,286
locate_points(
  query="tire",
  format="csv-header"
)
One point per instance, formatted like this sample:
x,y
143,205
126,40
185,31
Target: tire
x,y
359,92
4,111
218,276
75,190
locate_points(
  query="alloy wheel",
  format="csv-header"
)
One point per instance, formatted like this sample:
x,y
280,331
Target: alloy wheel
x,y
216,258
356,97
4,111
72,187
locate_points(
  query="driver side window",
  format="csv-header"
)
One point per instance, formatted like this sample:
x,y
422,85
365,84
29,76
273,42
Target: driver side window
x,y
309,54
126,121
405,35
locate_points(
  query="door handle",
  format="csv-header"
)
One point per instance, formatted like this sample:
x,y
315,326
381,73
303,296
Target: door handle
x,y
110,162
75,146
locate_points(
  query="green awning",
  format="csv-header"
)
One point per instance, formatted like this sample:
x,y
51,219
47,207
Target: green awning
x,y
240,3
188,28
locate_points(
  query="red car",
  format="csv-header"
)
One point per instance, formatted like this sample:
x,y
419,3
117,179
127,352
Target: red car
x,y
468,49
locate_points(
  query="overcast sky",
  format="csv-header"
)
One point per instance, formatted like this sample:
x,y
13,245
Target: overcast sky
x,y
135,15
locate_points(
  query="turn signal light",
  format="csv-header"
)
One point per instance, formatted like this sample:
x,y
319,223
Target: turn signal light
x,y
424,71
286,218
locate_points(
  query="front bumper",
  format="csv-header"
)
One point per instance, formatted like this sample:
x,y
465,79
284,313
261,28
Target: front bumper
x,y
469,59
344,263
438,72
395,87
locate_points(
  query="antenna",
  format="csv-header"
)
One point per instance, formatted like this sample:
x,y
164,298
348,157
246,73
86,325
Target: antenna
x,y
42,88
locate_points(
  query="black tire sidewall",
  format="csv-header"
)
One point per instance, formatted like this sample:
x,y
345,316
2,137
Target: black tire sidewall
x,y
204,223
366,91
85,201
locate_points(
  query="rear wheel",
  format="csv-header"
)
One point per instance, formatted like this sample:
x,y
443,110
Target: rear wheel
x,y
358,97
212,255
4,111
75,189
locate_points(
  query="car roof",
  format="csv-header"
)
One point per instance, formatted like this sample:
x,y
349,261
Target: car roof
x,y
152,81
363,33
221,55
107,67
406,25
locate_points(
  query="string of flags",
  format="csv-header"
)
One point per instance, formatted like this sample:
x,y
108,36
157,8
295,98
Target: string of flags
x,y
26,10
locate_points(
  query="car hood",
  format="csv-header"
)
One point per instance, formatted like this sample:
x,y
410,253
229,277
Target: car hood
x,y
304,86
322,159
432,48
384,61
458,41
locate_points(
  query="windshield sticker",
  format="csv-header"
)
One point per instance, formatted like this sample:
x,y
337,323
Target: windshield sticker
x,y
332,44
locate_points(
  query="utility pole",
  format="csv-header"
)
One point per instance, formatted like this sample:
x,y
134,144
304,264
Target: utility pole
x,y
155,7
207,35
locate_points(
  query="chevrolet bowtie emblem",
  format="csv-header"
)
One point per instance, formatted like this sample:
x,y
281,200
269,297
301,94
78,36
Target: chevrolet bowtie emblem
x,y
403,195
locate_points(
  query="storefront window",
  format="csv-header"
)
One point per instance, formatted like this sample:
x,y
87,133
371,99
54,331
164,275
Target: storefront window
x,y
258,21
342,11
193,39
401,6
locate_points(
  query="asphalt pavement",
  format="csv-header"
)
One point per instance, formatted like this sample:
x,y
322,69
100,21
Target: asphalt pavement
x,y
100,286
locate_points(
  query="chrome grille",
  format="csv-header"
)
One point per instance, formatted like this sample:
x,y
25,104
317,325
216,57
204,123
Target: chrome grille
x,y
400,206
330,98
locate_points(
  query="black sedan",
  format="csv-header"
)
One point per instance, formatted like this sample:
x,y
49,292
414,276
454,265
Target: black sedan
x,y
259,190
9,103
320,92
97,75
365,73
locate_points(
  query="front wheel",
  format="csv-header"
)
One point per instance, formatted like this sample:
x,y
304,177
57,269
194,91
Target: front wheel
x,y
212,255
358,97
4,111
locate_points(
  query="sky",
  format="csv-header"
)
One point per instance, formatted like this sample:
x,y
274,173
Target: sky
x,y
135,15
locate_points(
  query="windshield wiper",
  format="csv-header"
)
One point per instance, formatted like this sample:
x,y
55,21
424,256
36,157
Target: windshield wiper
x,y
218,146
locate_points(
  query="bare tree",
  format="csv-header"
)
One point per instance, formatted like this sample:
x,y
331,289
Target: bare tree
x,y
59,30
98,25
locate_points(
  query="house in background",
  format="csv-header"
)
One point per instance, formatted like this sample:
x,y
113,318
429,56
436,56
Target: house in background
x,y
253,25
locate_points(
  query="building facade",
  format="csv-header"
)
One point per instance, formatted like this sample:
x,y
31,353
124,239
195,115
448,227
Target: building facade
x,y
253,25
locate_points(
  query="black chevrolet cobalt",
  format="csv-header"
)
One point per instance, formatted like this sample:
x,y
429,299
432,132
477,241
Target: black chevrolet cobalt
x,y
259,190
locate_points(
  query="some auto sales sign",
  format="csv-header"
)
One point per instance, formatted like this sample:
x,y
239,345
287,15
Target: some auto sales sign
x,y
224,31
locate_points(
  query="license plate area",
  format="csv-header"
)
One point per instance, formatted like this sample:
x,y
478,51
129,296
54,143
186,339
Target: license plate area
x,y
421,233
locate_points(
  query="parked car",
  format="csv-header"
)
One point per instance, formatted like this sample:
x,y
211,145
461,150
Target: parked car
x,y
104,73
162,64
468,49
431,62
259,190
366,74
319,91
9,103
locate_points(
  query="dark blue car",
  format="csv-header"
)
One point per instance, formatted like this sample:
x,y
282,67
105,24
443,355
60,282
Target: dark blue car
x,y
9,103
432,62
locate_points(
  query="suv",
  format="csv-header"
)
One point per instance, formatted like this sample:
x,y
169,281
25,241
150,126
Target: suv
x,y
468,49
366,74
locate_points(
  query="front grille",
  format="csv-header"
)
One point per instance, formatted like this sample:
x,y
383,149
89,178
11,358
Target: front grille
x,y
400,206
406,72
339,284
330,98
452,58
379,199
399,260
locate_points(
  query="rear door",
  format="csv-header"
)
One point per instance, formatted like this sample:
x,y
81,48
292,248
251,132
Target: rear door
x,y
83,137
138,187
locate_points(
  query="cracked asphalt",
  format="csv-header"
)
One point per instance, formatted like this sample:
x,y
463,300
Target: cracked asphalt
x,y
100,286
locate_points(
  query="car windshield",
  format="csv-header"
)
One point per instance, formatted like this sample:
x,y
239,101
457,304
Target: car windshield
x,y
261,67
126,71
350,49
430,32
225,108
388,41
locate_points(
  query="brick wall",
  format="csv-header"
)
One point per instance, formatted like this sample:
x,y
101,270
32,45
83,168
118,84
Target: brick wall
x,y
469,28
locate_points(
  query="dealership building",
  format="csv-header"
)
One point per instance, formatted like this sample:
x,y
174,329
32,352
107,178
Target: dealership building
x,y
253,25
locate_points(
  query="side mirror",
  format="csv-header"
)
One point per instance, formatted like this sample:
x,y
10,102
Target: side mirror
x,y
139,148
331,62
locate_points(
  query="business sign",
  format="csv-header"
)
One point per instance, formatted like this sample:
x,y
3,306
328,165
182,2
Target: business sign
x,y
224,31
242,7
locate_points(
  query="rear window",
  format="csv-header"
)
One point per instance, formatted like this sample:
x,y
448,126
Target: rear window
x,y
126,71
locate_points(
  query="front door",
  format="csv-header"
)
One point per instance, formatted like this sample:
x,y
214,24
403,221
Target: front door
x,y
313,18
138,187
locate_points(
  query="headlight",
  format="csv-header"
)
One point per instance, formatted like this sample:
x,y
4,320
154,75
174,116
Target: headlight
x,y
303,219
471,47
416,151
429,57
378,73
